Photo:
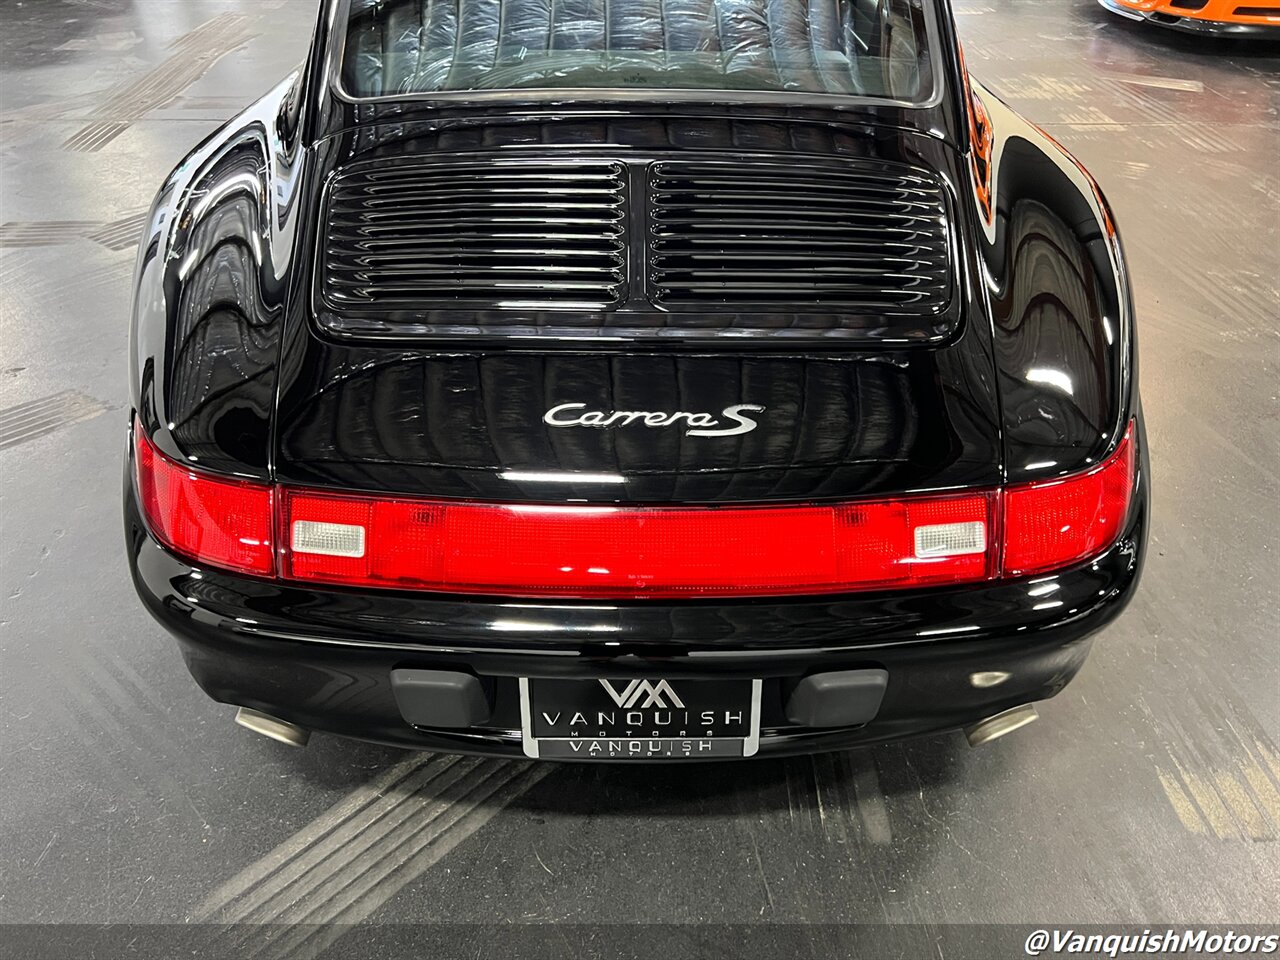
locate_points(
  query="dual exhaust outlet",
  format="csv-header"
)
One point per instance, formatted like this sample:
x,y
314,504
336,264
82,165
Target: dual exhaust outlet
x,y
984,731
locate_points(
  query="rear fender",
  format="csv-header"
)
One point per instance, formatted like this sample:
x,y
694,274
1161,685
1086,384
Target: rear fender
x,y
1058,292
210,290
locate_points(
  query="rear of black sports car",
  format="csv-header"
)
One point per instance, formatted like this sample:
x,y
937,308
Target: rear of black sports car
x,y
634,381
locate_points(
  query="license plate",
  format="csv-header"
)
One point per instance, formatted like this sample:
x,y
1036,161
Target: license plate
x,y
640,719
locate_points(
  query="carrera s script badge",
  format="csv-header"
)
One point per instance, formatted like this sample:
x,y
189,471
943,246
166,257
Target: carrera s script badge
x,y
639,718
729,422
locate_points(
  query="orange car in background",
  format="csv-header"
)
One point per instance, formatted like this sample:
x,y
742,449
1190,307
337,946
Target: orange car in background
x,y
1225,18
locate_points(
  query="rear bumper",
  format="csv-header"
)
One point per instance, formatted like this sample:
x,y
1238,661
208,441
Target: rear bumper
x,y
323,658
1196,24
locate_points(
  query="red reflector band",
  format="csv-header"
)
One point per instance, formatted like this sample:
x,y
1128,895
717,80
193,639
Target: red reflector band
x,y
225,523
1052,525
627,551
597,551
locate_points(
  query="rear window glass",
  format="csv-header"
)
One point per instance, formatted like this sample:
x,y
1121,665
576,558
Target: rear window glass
x,y
856,48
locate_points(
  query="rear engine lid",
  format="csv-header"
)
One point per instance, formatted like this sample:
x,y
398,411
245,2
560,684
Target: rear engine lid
x,y
630,311
691,428
716,249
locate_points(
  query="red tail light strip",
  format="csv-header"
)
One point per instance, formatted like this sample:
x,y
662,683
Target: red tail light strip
x,y
1052,525
631,552
224,523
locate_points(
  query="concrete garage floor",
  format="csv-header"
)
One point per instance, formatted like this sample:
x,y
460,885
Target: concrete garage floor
x,y
1149,793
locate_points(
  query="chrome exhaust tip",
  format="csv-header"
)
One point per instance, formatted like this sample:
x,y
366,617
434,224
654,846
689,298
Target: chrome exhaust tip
x,y
273,727
995,727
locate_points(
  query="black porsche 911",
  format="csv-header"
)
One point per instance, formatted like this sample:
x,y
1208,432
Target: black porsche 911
x,y
649,380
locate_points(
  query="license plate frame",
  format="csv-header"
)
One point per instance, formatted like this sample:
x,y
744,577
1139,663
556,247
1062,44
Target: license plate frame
x,y
606,706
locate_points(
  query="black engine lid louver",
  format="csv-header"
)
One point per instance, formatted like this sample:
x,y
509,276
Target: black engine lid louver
x,y
542,234
748,250
863,236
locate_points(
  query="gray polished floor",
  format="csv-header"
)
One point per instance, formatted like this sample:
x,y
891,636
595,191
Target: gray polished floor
x,y
1148,793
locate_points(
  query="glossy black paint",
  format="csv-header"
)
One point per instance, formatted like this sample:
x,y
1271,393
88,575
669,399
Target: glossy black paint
x,y
231,373
1059,299
453,426
839,422
211,288
323,658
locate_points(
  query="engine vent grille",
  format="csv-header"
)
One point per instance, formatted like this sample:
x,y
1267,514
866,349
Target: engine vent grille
x,y
868,238
504,233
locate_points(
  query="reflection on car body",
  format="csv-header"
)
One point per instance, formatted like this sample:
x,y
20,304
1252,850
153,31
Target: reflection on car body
x,y
757,362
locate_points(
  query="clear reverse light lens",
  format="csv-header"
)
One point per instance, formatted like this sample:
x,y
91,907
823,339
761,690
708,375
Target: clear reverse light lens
x,y
950,539
328,539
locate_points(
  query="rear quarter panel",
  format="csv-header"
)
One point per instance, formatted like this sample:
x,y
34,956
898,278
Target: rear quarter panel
x,y
210,290
1058,291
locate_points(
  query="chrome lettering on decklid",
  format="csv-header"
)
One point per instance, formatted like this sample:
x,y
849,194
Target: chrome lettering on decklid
x,y
699,424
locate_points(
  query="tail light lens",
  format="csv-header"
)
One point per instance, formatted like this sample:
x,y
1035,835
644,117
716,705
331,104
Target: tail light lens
x,y
1052,525
629,552
224,523
600,551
